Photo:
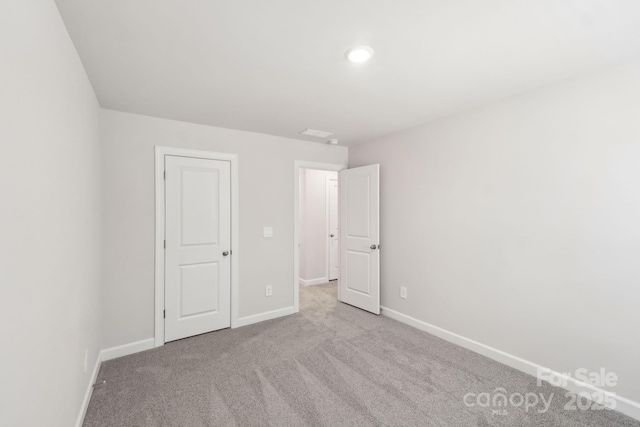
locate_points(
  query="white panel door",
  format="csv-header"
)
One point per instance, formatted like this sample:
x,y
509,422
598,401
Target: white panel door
x,y
359,237
332,203
198,246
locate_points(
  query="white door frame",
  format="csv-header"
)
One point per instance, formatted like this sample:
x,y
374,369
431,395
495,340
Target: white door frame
x,y
160,153
297,165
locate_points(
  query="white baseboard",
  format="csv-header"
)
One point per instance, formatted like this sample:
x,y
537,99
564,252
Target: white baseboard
x,y
108,354
89,392
127,349
311,282
623,405
249,320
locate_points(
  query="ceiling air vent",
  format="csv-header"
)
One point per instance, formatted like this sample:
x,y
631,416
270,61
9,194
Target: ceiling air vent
x,y
316,133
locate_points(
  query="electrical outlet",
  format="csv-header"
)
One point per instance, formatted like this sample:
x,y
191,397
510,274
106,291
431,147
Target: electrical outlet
x,y
403,292
86,359
269,290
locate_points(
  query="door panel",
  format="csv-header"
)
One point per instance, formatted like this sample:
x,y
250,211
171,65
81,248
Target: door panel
x,y
358,268
199,289
334,254
200,194
359,206
198,231
359,240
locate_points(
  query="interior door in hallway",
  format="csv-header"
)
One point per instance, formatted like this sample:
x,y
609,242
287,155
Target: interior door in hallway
x,y
197,246
332,205
359,237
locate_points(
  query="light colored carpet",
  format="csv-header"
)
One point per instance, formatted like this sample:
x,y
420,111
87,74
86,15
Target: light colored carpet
x,y
329,365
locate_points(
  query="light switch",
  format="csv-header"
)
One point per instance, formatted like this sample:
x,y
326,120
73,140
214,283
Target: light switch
x,y
267,232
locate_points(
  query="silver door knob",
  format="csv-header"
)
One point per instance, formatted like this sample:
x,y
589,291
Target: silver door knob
x,y
373,247
225,253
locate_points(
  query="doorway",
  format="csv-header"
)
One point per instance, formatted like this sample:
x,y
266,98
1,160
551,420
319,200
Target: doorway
x,y
197,247
358,234
316,252
318,226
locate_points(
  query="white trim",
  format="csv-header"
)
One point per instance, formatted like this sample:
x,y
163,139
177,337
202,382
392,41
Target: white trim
x,y
104,355
160,153
622,404
312,282
127,349
268,315
89,392
297,165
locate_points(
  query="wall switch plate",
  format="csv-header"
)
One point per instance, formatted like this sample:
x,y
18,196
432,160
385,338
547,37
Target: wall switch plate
x,y
269,291
267,232
403,292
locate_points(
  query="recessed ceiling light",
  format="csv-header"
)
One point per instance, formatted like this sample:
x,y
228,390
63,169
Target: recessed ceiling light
x,y
359,54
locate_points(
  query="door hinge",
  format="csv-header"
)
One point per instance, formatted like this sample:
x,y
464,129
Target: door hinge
x,y
164,314
164,175
165,244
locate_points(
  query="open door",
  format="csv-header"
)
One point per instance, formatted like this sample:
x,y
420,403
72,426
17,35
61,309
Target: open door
x,y
359,237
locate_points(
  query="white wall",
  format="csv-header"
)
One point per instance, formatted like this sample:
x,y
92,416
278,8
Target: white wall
x,y
518,224
266,174
49,219
313,226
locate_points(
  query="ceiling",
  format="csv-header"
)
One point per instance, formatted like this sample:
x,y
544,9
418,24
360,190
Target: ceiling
x,y
278,66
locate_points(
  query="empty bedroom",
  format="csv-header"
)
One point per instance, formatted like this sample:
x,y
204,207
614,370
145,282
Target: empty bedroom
x,y
320,213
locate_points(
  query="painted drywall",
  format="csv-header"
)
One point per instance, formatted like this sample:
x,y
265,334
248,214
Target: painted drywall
x,y
313,226
278,66
517,225
266,175
50,223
